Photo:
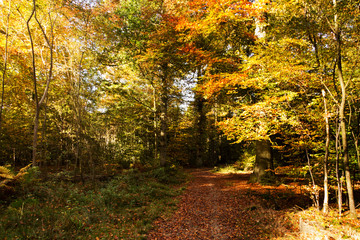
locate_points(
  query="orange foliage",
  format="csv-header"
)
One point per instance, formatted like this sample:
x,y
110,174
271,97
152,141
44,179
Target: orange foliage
x,y
218,82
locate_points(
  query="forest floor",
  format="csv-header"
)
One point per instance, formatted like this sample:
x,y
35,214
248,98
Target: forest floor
x,y
225,206
166,203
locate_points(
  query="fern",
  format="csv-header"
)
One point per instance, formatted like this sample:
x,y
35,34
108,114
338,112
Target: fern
x,y
6,173
23,171
7,178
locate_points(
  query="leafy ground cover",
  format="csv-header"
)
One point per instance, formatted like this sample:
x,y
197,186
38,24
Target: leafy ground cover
x,y
149,205
122,208
225,206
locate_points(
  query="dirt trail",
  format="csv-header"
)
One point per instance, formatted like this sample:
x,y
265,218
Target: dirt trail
x,y
218,206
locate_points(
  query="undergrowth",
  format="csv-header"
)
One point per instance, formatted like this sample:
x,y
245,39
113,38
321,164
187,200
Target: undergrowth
x,y
227,169
330,224
123,208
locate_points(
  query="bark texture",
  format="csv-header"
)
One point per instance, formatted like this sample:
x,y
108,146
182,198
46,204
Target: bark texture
x,y
263,161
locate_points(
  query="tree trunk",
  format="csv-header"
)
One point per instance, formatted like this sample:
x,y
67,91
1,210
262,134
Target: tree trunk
x,y
36,120
44,138
163,122
325,163
315,190
155,128
35,137
349,187
200,126
263,161
217,140
39,103
338,177
5,64
78,117
356,144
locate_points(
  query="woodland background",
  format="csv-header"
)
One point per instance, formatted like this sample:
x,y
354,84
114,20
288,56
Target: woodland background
x,y
91,87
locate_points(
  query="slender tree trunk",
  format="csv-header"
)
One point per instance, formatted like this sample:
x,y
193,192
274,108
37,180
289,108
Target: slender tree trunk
x,y
337,169
36,120
342,117
44,138
78,117
79,107
315,190
356,139
155,128
35,137
92,163
14,156
163,122
356,144
38,103
200,126
218,136
5,64
325,163
200,122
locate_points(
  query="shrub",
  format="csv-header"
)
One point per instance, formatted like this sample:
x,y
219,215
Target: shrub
x,y
10,182
170,174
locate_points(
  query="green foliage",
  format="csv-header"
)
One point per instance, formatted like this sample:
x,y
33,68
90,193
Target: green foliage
x,y
64,175
170,174
227,169
32,175
123,208
246,161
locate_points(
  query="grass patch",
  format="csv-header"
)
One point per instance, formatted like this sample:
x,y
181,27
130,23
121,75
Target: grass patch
x,y
243,165
123,208
228,169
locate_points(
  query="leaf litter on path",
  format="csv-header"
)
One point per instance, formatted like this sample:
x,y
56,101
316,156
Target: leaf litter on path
x,y
220,206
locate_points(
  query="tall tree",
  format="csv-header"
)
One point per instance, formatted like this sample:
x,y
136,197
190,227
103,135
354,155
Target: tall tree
x,y
146,38
4,71
338,38
48,37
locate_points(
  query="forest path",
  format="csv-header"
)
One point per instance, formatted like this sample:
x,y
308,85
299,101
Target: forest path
x,y
220,206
